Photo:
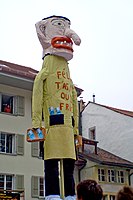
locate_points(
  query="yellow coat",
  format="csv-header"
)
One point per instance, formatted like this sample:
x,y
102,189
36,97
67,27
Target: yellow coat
x,y
54,94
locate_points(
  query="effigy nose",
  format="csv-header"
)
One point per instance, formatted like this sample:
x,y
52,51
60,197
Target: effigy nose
x,y
73,35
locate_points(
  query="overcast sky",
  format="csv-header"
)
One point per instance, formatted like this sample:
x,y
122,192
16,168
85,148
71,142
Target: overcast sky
x,y
102,64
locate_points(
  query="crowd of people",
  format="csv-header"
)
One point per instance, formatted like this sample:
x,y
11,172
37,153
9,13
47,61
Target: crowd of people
x,y
91,190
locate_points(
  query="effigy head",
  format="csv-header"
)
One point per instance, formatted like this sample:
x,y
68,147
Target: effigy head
x,y
56,37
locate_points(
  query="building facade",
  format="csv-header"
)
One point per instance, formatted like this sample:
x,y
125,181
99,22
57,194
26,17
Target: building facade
x,y
111,127
21,165
109,170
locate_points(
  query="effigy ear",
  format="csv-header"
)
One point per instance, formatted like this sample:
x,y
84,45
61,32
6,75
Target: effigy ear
x,y
40,29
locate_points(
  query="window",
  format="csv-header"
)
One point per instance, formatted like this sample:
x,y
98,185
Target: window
x,y
121,176
111,175
7,143
12,104
11,143
41,185
6,103
37,186
10,182
101,174
6,182
105,197
108,197
92,133
112,197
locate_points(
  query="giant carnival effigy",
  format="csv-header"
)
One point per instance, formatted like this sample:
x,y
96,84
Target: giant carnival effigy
x,y
55,96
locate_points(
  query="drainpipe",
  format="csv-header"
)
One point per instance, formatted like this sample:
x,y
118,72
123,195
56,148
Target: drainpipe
x,y
79,171
129,178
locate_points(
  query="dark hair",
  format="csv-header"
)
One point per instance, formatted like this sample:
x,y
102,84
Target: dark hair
x,y
89,190
126,193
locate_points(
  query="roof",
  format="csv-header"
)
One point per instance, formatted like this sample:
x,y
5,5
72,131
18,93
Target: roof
x,y
105,158
121,111
19,71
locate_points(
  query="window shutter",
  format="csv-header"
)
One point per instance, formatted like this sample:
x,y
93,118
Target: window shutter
x,y
19,183
20,144
0,102
35,149
34,186
18,105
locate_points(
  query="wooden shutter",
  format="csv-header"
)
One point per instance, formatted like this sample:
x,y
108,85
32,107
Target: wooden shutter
x,y
35,149
18,105
19,183
35,186
20,144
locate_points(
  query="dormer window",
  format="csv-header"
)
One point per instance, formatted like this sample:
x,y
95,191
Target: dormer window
x,y
111,175
101,174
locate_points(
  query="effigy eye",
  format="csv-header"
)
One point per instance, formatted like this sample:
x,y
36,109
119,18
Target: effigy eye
x,y
58,23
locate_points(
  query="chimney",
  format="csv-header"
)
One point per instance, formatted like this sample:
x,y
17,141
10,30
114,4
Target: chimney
x,y
93,98
81,104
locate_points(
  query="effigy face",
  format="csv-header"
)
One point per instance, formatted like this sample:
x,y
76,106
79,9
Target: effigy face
x,y
56,37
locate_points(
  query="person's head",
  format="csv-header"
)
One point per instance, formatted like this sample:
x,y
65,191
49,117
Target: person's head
x,y
89,190
126,193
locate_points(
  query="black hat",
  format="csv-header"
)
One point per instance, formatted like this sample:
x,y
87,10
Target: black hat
x,y
56,16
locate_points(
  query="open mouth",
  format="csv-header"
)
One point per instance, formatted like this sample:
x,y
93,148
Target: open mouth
x,y
62,42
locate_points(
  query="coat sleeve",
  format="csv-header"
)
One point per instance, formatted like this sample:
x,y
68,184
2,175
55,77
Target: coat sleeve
x,y
37,97
75,111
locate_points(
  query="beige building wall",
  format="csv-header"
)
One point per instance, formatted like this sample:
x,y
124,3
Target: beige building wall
x,y
90,171
19,164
